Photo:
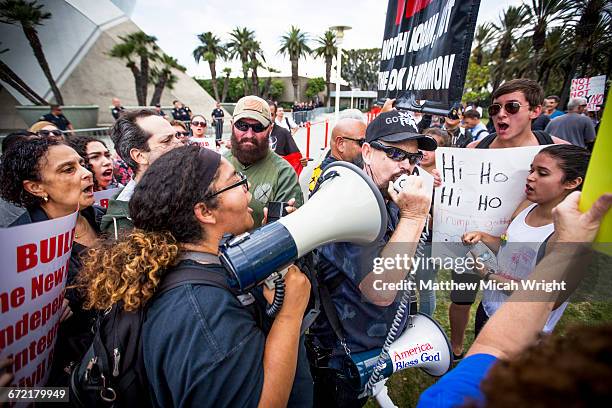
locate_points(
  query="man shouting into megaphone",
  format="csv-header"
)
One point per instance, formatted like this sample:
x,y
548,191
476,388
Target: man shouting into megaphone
x,y
357,311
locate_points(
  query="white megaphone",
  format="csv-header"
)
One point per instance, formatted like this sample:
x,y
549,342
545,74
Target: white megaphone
x,y
423,344
358,215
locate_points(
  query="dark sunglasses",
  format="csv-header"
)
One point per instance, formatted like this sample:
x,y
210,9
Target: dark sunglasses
x,y
47,133
510,107
397,154
244,126
360,142
181,134
196,123
243,182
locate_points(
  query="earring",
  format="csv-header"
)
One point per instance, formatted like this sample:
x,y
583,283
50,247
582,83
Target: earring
x,y
45,198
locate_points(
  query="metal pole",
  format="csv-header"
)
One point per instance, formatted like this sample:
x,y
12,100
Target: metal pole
x,y
338,76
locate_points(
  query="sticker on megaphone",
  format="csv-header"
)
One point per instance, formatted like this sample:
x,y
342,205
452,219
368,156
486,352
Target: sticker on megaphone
x,y
428,180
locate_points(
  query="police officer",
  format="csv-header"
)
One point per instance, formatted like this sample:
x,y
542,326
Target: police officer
x,y
180,111
57,118
159,111
117,108
217,115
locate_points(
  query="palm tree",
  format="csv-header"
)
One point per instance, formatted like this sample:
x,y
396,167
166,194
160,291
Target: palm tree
x,y
327,50
542,13
210,50
256,60
137,44
10,77
511,20
484,35
227,71
29,14
239,46
163,77
293,44
267,85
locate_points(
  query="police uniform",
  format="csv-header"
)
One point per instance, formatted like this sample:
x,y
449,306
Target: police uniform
x,y
60,121
116,111
183,113
217,115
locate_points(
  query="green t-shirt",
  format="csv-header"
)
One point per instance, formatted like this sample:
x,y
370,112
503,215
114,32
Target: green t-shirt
x,y
270,179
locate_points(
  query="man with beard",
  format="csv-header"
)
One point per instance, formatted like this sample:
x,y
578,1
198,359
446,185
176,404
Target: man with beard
x,y
358,300
271,178
346,139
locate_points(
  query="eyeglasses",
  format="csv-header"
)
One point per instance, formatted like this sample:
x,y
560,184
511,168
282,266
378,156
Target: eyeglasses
x,y
510,107
243,182
360,142
47,133
397,154
196,123
181,134
244,126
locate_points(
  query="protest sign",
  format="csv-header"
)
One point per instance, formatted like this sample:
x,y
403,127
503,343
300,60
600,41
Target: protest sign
x,y
101,197
35,261
425,52
593,89
208,142
480,190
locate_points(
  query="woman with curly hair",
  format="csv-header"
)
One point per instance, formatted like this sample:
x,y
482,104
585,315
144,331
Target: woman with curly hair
x,y
201,346
48,179
97,159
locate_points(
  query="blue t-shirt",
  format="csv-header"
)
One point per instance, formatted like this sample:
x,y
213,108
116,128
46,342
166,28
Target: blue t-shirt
x,y
460,383
202,347
365,325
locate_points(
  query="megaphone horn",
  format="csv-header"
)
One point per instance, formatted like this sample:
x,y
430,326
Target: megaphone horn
x,y
423,345
347,207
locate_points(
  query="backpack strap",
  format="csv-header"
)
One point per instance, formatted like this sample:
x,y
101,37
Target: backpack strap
x,y
190,271
543,137
475,137
486,142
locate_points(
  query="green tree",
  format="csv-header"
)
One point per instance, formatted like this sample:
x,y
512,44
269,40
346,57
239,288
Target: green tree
x,y
511,20
239,46
210,49
28,15
482,38
314,86
162,76
267,85
360,68
256,60
277,87
327,50
142,46
227,71
11,78
476,82
294,45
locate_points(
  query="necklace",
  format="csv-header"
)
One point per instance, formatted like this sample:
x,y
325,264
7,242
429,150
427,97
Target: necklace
x,y
77,234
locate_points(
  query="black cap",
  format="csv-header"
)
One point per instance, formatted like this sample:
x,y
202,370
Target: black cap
x,y
397,126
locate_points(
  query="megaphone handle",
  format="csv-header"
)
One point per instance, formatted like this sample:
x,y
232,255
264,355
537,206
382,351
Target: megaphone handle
x,y
279,297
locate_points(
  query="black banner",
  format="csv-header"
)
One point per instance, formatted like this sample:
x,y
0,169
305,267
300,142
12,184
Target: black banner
x,y
425,53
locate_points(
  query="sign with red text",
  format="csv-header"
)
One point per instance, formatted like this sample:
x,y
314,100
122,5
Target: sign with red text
x,y
208,142
593,89
481,189
35,261
425,51
102,197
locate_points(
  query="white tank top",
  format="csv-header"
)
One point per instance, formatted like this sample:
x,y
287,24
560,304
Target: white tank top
x,y
517,259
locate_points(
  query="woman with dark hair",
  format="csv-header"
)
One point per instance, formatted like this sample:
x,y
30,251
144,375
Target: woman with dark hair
x,y
555,172
198,129
48,179
97,159
201,345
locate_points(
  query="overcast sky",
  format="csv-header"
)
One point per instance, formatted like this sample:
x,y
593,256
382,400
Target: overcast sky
x,y
176,24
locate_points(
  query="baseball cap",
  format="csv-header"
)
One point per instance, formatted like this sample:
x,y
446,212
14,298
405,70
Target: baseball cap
x,y
397,126
252,107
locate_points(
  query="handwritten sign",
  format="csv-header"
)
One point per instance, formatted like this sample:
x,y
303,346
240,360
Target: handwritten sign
x,y
593,89
480,190
101,197
35,261
208,142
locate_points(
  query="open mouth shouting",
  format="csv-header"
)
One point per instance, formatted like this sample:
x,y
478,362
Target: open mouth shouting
x,y
89,190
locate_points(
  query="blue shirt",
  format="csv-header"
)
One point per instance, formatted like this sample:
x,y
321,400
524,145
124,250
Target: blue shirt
x,y
556,113
365,325
201,347
460,383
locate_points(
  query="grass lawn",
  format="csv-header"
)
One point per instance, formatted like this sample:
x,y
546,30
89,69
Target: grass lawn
x,y
406,386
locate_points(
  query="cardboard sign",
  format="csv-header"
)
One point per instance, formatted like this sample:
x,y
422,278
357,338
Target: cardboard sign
x,y
425,51
593,89
480,191
208,142
101,197
35,261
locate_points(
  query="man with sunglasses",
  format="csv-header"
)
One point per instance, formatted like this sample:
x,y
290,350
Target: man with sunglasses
x,y
57,118
358,302
140,137
271,177
516,103
574,126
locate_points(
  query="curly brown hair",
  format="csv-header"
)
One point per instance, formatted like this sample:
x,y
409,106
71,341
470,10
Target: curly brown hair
x,y
573,370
